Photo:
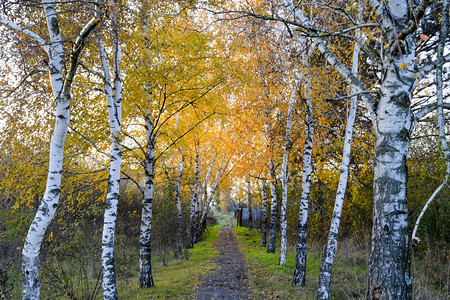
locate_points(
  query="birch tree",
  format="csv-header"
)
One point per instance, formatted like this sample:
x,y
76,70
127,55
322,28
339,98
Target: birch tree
x,y
145,241
177,190
284,174
249,200
393,120
113,94
440,113
300,257
219,176
330,249
263,214
273,210
198,203
61,85
194,198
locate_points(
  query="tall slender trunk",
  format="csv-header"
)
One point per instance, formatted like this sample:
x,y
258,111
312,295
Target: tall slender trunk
x,y
300,257
179,210
250,209
440,113
194,199
329,252
219,174
145,241
201,195
264,214
273,211
284,174
389,275
177,190
61,91
113,95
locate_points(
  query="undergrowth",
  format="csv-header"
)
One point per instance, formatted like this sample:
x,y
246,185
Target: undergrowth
x,y
268,280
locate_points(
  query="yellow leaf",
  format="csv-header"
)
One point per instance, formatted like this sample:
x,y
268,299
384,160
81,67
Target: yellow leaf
x,y
402,66
387,45
416,75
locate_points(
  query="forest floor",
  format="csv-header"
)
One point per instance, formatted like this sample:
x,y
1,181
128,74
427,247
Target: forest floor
x,y
229,278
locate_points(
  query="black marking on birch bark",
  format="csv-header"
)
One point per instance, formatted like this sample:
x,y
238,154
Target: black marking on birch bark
x,y
385,147
108,204
403,135
109,244
55,192
387,186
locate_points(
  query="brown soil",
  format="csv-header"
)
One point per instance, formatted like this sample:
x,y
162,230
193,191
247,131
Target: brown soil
x,y
228,280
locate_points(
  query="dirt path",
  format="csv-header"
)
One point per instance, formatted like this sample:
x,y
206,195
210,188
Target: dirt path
x,y
229,278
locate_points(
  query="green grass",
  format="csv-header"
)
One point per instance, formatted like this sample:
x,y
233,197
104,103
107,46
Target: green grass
x,y
270,280
222,217
177,280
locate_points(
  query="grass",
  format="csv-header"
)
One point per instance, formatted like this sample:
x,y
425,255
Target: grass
x,y
177,280
222,217
180,278
268,280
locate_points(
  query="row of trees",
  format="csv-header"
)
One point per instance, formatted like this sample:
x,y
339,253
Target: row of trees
x,y
277,85
395,39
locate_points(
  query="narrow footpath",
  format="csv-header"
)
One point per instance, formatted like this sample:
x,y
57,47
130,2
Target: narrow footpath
x,y
228,280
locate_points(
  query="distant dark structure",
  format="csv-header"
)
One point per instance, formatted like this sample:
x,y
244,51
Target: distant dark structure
x,y
242,217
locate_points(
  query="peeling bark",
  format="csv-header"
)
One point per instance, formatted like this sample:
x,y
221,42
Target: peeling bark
x,y
389,274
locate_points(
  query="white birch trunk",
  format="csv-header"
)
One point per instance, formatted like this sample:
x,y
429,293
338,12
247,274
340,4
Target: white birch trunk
x,y
114,105
220,172
194,200
61,92
284,181
145,241
300,257
200,199
177,190
329,252
249,199
389,276
440,114
264,215
273,211
179,210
